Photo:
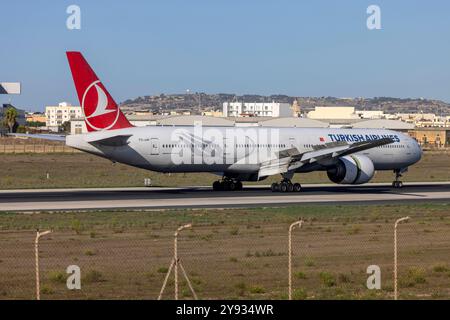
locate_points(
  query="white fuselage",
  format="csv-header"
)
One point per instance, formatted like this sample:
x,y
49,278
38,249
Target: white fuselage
x,y
233,149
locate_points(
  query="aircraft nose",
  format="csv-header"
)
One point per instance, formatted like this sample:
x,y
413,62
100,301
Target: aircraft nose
x,y
417,150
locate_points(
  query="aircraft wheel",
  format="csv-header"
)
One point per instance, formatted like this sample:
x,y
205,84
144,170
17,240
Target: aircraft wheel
x,y
290,187
275,187
297,187
397,184
231,186
283,187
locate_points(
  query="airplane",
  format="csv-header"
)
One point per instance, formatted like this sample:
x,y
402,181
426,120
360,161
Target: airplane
x,y
349,156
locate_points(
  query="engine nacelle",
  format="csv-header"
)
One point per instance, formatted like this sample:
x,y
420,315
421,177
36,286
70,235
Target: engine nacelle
x,y
353,169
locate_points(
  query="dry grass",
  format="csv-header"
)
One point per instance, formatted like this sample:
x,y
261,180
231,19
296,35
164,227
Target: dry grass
x,y
251,264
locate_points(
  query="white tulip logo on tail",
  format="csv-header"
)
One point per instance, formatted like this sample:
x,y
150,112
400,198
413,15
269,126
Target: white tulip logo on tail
x,y
100,110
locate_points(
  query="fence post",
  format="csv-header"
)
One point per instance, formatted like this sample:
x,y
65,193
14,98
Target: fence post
x,y
395,255
175,256
291,227
174,264
36,255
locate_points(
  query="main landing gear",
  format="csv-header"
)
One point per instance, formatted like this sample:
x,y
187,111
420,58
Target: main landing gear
x,y
397,184
286,186
227,184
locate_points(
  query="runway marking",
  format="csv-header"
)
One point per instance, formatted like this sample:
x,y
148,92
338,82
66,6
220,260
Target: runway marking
x,y
218,201
322,185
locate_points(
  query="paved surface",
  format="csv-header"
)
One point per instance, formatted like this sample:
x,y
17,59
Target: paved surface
x,y
199,197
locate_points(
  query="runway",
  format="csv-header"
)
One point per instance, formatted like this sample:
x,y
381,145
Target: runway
x,y
204,197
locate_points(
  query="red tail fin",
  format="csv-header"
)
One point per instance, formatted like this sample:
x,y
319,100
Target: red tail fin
x,y
100,110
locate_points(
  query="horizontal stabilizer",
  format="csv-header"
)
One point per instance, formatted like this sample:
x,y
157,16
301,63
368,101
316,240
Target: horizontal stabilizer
x,y
110,141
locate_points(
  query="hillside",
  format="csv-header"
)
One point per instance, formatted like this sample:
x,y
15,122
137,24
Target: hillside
x,y
197,102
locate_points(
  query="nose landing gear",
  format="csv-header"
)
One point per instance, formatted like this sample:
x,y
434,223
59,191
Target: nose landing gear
x,y
397,184
227,184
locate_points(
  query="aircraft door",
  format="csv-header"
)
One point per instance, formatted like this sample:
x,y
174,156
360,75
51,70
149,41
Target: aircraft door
x,y
292,142
154,147
227,146
228,152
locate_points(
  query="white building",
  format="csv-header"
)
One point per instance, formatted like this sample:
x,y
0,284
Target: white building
x,y
333,113
345,113
256,109
423,120
371,114
64,112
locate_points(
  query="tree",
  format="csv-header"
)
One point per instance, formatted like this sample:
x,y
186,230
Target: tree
x,y
65,127
21,129
10,118
35,124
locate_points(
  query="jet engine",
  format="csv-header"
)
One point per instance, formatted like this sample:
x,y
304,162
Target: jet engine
x,y
352,169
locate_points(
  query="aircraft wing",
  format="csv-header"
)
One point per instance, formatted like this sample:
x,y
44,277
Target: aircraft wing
x,y
52,137
292,159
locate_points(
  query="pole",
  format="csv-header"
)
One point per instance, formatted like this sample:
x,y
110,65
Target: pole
x,y
395,255
165,280
188,281
291,227
175,255
36,255
174,265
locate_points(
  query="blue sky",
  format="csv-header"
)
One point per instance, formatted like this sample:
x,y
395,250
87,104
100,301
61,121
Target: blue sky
x,y
302,48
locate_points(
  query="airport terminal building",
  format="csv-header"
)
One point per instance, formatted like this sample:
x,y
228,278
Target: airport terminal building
x,y
256,109
78,125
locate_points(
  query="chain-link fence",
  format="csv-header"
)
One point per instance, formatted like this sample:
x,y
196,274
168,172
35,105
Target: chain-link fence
x,y
227,254
14,145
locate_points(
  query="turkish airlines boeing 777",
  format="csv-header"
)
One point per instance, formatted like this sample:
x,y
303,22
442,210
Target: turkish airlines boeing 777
x,y
349,156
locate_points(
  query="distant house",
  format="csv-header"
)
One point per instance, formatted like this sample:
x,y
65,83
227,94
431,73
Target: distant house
x,y
341,112
256,109
35,117
63,112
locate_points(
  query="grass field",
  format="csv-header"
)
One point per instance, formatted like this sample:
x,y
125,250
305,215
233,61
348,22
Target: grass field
x,y
237,254
83,170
